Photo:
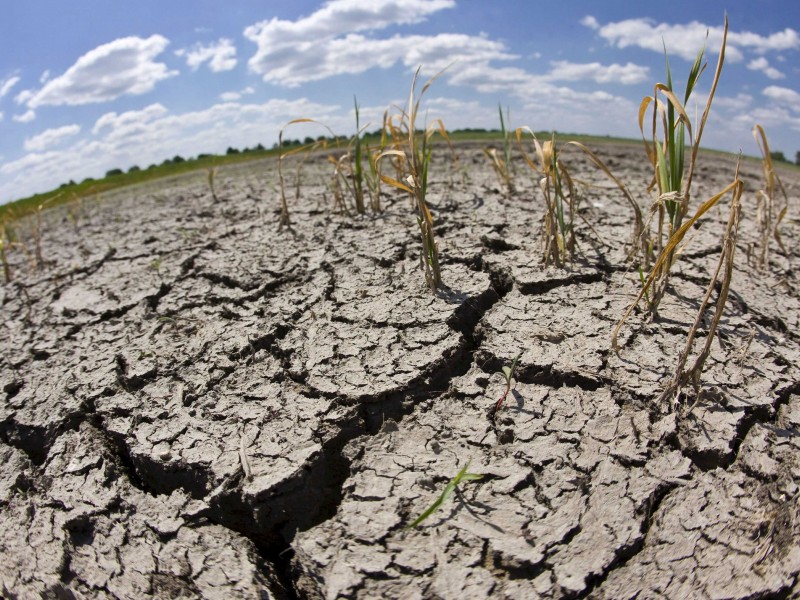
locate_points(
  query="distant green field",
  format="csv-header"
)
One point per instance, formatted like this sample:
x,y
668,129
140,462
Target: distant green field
x,y
90,187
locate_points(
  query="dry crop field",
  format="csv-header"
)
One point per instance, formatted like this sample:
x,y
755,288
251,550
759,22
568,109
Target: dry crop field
x,y
501,373
200,403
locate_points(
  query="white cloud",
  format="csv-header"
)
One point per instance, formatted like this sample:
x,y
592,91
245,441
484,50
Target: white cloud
x,y
128,121
739,102
762,64
7,84
50,137
327,43
788,39
341,38
151,134
553,106
23,96
628,73
26,117
590,22
233,96
685,40
355,53
785,96
523,84
122,67
780,115
775,118
45,76
220,55
1,116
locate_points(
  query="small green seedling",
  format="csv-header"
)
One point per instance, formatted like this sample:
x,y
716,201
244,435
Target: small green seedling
x,y
463,475
508,375
155,265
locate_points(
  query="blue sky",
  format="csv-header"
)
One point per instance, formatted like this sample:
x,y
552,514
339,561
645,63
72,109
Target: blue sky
x,y
91,85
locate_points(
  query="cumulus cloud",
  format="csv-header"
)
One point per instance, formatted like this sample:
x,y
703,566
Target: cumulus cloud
x,y
125,66
128,121
739,102
488,79
762,64
148,135
234,96
7,84
23,96
685,40
770,118
50,137
343,37
355,53
785,96
220,55
25,117
328,42
628,73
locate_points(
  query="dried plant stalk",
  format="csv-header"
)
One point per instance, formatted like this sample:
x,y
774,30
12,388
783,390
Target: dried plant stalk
x,y
411,155
284,220
722,277
4,244
560,197
768,215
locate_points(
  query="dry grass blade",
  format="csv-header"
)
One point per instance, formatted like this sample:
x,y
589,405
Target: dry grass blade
x,y
668,254
4,244
211,172
502,164
724,267
560,196
411,155
284,220
638,242
766,200
374,177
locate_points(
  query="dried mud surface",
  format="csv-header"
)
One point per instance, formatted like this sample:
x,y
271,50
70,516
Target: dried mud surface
x,y
198,405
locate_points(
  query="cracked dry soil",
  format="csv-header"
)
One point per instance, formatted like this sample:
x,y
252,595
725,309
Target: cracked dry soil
x,y
197,405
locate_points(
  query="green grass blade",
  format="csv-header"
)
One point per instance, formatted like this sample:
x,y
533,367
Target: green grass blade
x,y
462,475
515,362
502,121
694,74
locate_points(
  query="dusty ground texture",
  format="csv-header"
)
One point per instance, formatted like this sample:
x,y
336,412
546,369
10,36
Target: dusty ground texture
x,y
198,405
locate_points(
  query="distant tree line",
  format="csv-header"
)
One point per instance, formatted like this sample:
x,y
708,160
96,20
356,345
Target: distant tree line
x,y
780,157
777,156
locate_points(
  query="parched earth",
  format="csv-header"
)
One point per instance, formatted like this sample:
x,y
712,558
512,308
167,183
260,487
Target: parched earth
x,y
196,404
